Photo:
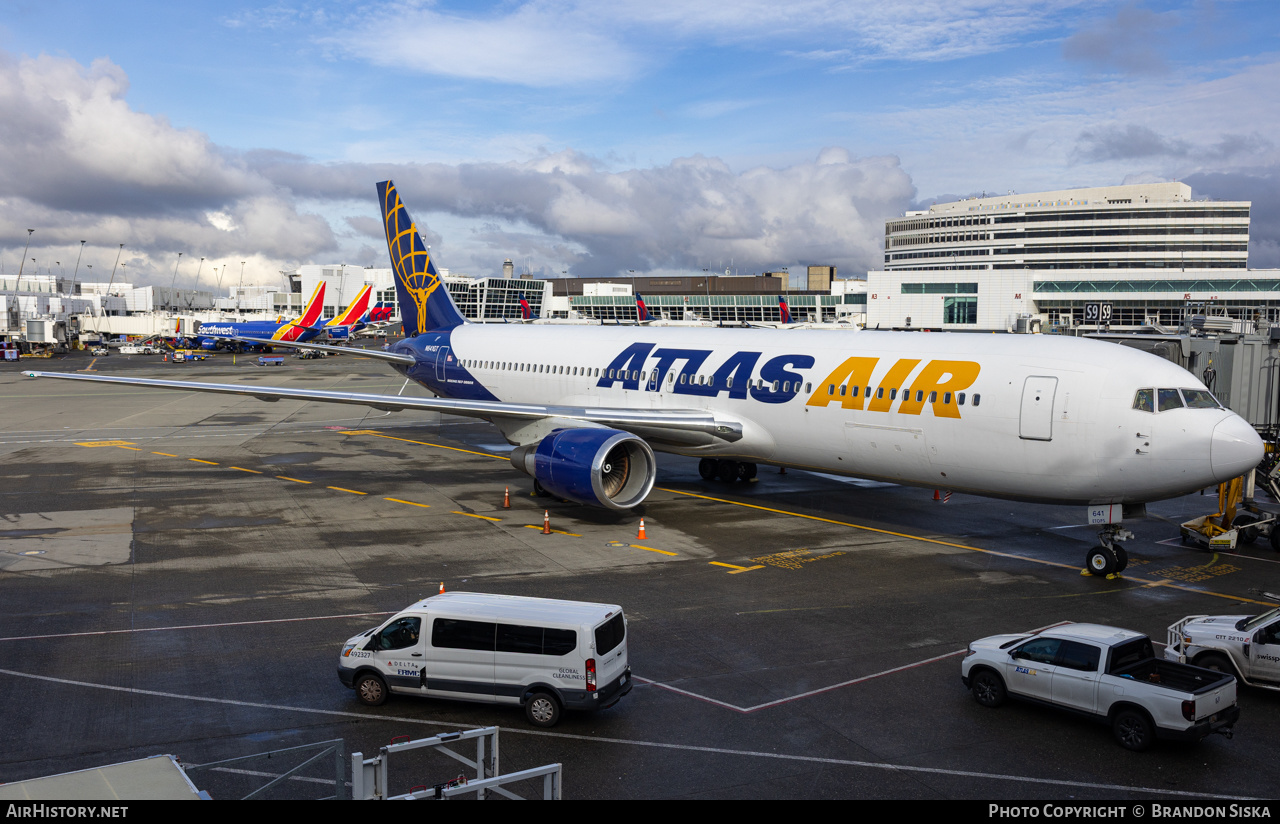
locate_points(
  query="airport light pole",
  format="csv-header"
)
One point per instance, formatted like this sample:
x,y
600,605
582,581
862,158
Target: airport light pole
x,y
169,297
77,269
25,249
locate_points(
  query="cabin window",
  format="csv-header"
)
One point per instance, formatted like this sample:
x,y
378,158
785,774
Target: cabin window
x,y
831,389
919,395
977,399
946,398
853,391
879,392
893,394
808,387
786,386
933,397
960,399
728,383
1144,400
682,377
1168,399
774,387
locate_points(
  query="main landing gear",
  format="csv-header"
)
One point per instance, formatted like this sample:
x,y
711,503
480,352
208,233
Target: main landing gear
x,y
725,470
1108,557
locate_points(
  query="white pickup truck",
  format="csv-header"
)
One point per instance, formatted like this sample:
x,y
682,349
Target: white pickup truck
x,y
1107,674
1247,646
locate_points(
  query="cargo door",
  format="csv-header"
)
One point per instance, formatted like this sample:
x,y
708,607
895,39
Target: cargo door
x,y
1036,420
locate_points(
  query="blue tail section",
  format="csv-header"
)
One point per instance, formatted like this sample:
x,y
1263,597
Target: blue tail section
x,y
425,306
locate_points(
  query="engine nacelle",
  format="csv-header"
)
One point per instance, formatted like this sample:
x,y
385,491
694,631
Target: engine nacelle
x,y
597,467
209,344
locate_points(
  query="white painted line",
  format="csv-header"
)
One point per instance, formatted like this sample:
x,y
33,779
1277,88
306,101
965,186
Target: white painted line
x,y
195,626
810,759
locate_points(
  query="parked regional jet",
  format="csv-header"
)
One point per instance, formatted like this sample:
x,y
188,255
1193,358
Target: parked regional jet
x,y
219,335
1029,418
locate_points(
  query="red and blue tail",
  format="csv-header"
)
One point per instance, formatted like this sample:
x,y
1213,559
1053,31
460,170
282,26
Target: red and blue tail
x,y
642,311
784,311
526,311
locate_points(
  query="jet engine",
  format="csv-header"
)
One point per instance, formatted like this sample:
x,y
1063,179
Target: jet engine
x,y
593,466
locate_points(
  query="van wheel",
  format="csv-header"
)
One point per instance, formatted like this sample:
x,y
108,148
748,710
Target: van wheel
x,y
1132,729
542,710
988,689
371,690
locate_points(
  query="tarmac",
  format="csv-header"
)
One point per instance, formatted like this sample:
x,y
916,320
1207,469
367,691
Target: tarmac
x,y
179,570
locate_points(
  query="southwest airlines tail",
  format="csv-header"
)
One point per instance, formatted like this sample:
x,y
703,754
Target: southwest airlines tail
x,y
424,306
784,311
354,313
301,327
642,311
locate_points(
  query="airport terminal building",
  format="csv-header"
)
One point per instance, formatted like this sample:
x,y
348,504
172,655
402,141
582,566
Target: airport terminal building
x,y
1150,253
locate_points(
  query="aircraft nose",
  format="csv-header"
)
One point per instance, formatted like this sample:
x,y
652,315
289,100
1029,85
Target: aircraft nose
x,y
1236,448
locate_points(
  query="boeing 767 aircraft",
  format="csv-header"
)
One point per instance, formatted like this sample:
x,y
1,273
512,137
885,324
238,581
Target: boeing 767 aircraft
x,y
1035,418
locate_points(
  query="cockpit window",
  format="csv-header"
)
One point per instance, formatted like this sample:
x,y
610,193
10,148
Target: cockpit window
x,y
1199,399
1169,399
1144,400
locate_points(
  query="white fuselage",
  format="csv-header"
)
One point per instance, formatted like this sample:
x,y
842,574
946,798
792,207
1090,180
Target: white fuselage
x,y
1041,418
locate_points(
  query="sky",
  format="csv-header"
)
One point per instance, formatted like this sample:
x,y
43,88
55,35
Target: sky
x,y
224,140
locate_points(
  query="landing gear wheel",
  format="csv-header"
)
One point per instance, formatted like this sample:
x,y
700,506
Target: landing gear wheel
x,y
371,690
542,710
746,471
1100,561
540,490
1245,533
707,468
1122,558
727,472
1133,730
988,689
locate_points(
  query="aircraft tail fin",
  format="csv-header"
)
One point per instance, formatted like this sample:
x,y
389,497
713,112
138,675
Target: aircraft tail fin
x,y
526,311
642,311
307,320
353,313
424,305
784,311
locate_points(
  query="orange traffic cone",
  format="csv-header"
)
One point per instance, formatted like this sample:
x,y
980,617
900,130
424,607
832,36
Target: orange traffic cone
x,y
546,522
641,536
506,497
441,588
936,496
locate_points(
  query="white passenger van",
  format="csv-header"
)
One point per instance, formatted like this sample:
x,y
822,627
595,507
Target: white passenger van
x,y
542,654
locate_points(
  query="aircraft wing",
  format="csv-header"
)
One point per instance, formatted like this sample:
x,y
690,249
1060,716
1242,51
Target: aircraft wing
x,y
687,426
376,354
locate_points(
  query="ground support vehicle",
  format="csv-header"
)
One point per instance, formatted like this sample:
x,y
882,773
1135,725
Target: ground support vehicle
x,y
1239,519
541,654
271,360
1107,674
1247,646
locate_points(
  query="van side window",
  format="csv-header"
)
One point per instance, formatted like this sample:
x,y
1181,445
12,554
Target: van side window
x,y
536,640
450,634
559,641
400,634
610,634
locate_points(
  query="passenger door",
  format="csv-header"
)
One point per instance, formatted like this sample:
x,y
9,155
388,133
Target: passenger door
x,y
460,660
1264,654
1075,676
1032,669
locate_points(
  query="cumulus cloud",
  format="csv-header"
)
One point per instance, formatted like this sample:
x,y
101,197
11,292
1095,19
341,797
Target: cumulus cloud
x,y
78,163
682,215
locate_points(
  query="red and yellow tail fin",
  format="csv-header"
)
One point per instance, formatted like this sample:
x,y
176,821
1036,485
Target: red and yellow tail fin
x,y
355,311
310,315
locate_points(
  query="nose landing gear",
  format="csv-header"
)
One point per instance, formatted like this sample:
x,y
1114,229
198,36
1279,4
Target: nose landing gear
x,y
1108,558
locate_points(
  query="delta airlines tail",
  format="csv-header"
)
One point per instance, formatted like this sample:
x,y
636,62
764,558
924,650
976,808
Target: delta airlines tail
x,y
526,312
642,311
1037,418
784,311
